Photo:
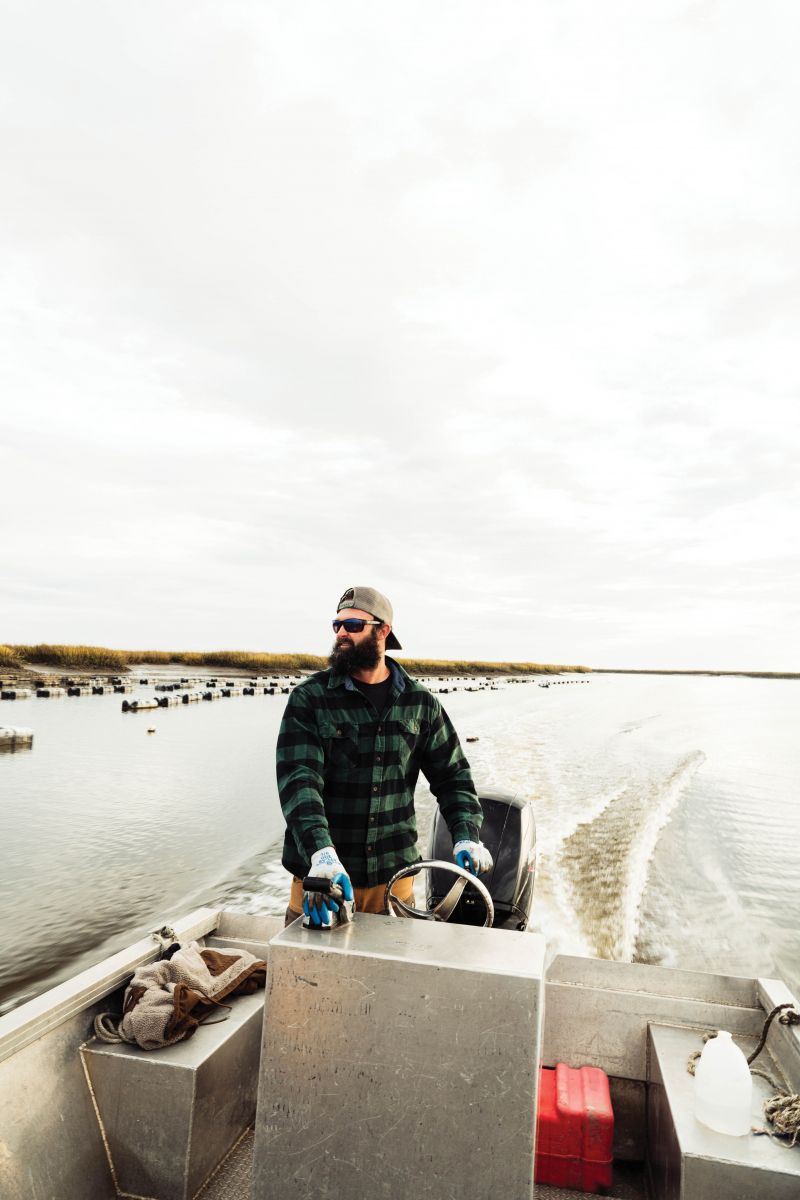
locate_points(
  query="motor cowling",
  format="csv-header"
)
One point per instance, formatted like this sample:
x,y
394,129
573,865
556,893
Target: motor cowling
x,y
509,832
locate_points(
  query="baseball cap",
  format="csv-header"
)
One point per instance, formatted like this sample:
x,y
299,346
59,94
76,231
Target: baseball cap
x,y
371,601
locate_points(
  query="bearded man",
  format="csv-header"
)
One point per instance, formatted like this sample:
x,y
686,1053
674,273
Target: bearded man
x,y
352,743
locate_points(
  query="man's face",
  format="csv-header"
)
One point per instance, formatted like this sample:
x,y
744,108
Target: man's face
x,y
356,651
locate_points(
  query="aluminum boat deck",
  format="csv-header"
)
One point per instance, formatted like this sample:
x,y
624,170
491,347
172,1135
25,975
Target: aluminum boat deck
x,y
234,1180
638,1023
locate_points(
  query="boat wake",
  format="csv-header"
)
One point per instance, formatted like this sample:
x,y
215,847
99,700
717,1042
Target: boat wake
x,y
603,863
259,887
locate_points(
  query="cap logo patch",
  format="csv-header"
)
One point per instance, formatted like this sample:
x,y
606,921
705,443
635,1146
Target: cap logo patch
x,y
347,597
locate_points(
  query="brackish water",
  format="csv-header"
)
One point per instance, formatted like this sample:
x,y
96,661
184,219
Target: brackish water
x,y
666,808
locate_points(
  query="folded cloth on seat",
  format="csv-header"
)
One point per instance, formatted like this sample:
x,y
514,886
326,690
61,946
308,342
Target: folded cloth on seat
x,y
165,1001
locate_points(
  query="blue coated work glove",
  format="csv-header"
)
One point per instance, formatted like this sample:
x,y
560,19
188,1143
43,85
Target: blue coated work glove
x,y
473,857
317,906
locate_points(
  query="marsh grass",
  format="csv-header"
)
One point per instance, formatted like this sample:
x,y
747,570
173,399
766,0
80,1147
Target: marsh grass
x,y
9,657
93,657
233,660
436,666
81,657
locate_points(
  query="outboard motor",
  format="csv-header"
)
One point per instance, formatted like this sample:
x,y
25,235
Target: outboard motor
x,y
509,832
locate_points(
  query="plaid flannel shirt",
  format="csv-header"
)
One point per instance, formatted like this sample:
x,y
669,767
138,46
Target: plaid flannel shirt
x,y
346,775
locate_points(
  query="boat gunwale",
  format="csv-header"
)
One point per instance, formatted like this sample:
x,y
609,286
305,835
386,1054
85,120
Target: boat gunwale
x,y
31,1020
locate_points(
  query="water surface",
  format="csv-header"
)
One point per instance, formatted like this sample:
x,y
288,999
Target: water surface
x,y
668,829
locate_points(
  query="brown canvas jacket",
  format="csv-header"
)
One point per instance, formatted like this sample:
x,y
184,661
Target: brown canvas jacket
x,y
165,1001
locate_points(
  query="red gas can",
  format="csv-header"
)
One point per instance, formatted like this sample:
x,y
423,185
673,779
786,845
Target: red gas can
x,y
575,1128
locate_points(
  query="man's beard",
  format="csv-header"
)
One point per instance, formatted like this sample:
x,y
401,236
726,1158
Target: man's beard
x,y
346,657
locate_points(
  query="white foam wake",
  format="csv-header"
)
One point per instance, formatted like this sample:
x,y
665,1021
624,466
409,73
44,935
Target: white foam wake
x,y
604,862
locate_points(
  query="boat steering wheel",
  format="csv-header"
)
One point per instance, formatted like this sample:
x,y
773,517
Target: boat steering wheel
x,y
444,909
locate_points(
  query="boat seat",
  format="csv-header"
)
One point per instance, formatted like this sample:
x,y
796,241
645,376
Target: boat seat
x,y
169,1117
688,1161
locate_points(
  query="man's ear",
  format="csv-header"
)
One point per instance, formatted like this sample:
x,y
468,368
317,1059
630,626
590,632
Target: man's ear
x,y
383,631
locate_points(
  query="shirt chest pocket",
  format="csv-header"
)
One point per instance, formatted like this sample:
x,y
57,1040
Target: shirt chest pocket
x,y
340,742
409,734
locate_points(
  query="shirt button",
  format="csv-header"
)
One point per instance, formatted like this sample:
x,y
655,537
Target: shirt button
x,y
378,758
380,729
372,820
374,787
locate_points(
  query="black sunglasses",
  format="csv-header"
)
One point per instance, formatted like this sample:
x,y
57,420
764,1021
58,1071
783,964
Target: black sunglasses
x,y
353,624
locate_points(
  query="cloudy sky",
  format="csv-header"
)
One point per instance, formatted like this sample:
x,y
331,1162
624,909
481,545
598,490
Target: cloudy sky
x,y
491,306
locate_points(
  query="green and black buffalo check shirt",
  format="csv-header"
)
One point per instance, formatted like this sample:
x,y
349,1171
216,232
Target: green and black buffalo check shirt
x,y
346,775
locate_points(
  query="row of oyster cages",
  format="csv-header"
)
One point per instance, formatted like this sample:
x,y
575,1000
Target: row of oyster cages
x,y
204,687
72,687
248,687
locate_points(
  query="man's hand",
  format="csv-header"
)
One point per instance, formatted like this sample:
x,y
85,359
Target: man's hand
x,y
472,856
317,906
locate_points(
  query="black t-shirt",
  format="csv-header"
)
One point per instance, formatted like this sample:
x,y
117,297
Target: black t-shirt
x,y
376,693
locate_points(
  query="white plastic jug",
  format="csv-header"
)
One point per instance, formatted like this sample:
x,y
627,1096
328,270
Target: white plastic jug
x,y
723,1087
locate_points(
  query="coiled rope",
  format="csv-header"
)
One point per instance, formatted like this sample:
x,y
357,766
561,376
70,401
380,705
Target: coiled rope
x,y
783,1109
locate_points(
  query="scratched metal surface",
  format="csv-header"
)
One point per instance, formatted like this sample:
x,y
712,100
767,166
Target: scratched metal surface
x,y
394,1067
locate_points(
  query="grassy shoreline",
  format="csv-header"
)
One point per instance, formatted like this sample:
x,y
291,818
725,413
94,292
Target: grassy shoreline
x,y
48,658
41,657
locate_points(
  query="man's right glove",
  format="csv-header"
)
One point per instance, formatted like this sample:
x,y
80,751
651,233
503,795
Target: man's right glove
x,y
318,906
472,856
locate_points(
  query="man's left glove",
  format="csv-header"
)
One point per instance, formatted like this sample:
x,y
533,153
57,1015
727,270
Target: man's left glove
x,y
472,856
318,906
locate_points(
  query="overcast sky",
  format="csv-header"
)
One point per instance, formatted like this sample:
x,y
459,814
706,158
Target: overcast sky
x,y
491,306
